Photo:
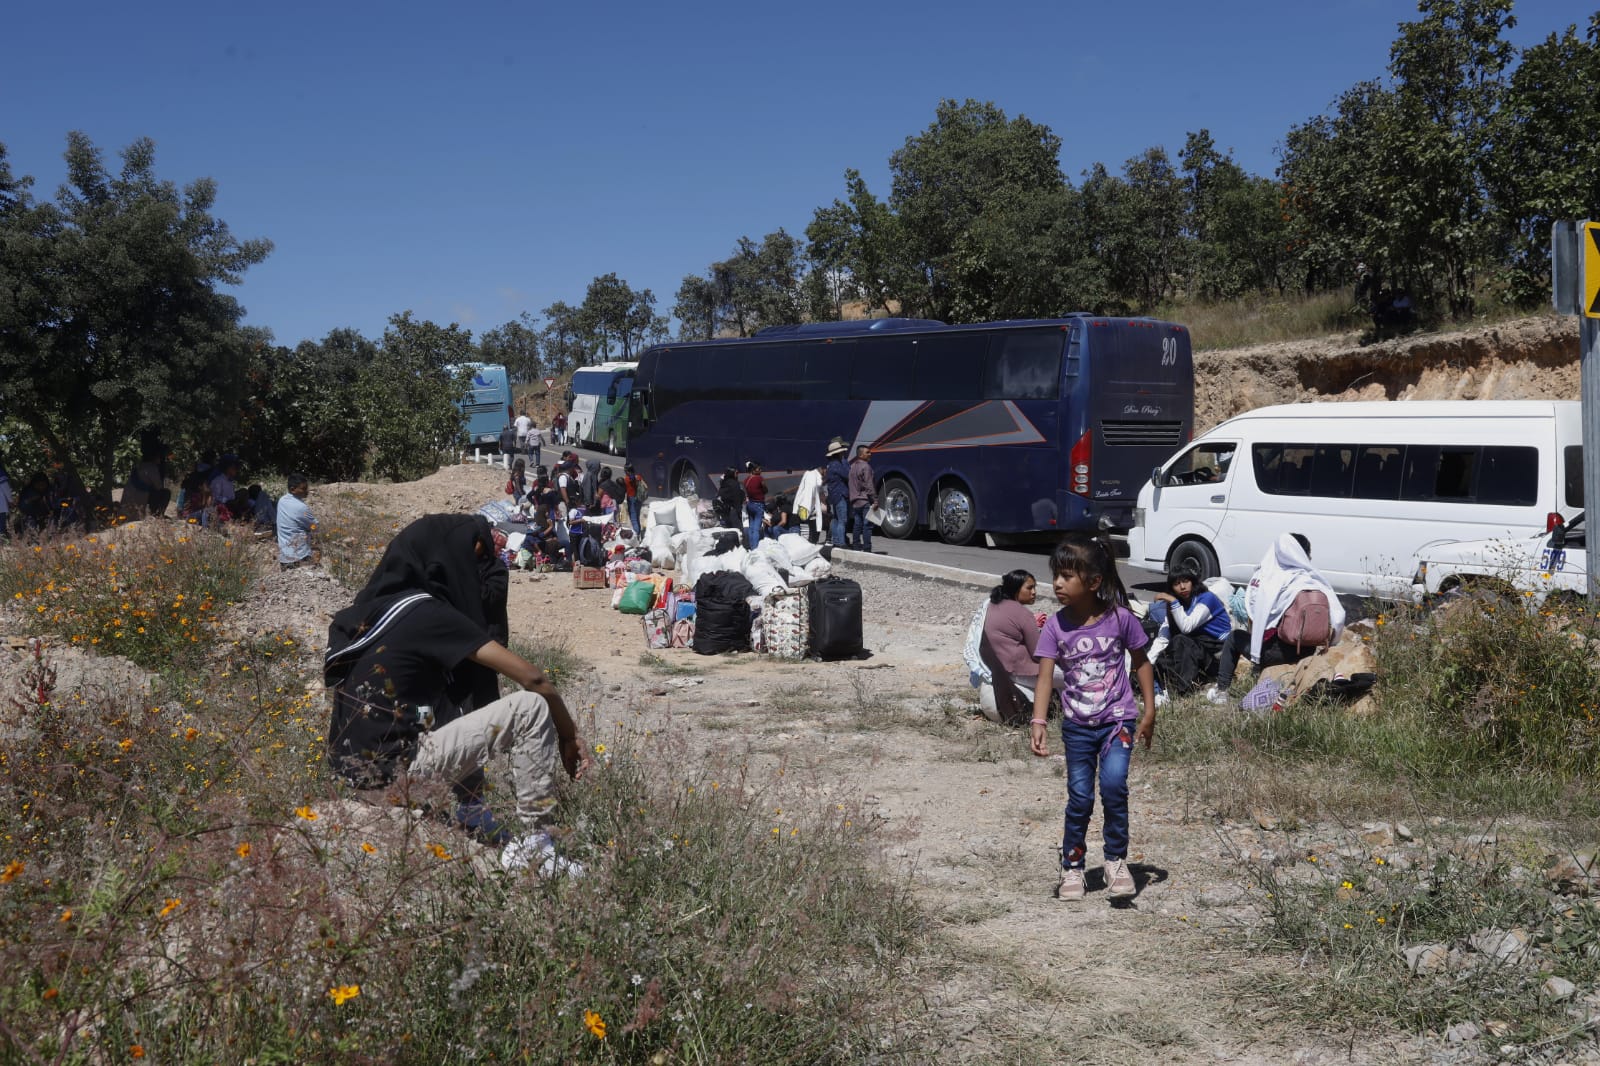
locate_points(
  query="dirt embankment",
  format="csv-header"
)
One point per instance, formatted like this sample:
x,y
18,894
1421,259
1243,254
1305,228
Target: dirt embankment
x,y
1525,359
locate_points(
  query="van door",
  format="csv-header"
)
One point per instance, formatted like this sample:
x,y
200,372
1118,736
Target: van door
x,y
1190,498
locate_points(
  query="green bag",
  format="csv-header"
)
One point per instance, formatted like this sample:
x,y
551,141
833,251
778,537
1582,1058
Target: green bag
x,y
638,598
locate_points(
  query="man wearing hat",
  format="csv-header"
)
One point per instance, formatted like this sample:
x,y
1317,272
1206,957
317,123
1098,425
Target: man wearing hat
x,y
836,482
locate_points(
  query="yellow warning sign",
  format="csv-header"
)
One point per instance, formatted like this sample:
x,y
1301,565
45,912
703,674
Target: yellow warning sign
x,y
1591,269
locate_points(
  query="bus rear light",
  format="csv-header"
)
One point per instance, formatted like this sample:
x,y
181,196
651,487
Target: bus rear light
x,y
1078,461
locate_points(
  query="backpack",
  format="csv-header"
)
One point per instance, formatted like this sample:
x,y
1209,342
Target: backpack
x,y
1306,624
589,552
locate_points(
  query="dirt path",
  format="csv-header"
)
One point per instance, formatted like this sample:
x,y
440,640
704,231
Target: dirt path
x,y
967,814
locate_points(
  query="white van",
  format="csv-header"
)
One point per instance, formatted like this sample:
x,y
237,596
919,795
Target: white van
x,y
1550,565
1373,485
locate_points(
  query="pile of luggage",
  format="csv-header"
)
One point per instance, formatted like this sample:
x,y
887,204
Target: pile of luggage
x,y
695,585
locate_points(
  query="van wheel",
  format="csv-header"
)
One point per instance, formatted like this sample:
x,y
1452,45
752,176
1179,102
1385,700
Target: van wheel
x,y
899,509
1199,554
687,482
957,515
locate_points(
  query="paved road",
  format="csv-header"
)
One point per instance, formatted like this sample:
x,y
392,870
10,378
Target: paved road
x,y
925,547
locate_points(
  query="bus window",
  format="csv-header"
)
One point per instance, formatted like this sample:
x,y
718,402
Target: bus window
x,y
950,367
782,370
827,370
1024,366
881,368
1378,472
1509,476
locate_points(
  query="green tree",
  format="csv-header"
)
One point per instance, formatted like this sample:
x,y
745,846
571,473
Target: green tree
x,y
515,346
111,318
566,338
408,396
304,413
862,240
1235,224
970,162
696,308
1546,160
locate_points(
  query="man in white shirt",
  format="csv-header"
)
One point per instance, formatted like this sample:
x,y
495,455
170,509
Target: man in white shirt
x,y
523,424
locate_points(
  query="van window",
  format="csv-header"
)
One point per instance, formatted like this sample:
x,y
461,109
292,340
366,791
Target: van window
x,y
1284,469
1437,473
1509,476
1378,471
1572,463
1333,469
1203,464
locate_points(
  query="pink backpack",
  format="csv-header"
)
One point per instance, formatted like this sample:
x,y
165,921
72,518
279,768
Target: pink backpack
x,y
1307,623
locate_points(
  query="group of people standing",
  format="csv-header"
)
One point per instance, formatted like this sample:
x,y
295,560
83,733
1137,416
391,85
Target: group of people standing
x,y
1084,661
835,497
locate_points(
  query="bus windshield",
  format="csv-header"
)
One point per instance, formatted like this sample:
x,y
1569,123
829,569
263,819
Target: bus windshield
x,y
1012,427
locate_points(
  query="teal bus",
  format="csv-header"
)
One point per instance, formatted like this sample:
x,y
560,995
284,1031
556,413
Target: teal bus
x,y
486,405
600,397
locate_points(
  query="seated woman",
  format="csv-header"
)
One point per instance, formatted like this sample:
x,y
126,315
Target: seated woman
x,y
1284,573
1010,633
1196,627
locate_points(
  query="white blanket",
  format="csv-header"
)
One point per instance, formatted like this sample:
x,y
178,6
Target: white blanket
x,y
1285,571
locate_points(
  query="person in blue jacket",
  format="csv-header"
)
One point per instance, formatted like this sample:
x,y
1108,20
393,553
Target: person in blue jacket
x,y
836,487
1197,625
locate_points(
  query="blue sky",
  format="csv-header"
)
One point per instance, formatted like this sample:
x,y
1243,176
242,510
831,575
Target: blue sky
x,y
476,160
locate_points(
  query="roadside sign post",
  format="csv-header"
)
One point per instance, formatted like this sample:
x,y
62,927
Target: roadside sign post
x,y
1575,285
549,383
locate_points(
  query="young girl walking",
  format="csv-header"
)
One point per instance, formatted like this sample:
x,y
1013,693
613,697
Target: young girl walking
x,y
1100,717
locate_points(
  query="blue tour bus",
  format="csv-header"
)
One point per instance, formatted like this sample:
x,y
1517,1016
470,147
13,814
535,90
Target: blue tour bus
x,y
1005,427
486,405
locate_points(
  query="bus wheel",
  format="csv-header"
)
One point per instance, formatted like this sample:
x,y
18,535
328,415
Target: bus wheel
x,y
899,509
687,482
1197,553
957,517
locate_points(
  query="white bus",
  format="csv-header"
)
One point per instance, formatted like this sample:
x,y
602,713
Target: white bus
x,y
1373,485
600,396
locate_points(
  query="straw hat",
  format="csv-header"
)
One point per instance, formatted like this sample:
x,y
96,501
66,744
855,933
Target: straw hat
x,y
837,446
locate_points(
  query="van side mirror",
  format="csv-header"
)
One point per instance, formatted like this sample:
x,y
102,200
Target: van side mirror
x,y
1558,537
1155,476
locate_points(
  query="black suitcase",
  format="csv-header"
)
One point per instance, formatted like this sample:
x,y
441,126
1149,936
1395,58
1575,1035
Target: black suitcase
x,y
834,604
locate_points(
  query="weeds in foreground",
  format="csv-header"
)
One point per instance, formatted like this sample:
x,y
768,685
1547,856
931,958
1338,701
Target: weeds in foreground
x,y
154,593
1489,706
554,655
1446,938
180,882
352,532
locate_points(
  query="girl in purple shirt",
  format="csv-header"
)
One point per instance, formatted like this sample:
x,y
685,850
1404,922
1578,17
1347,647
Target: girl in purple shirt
x,y
1091,639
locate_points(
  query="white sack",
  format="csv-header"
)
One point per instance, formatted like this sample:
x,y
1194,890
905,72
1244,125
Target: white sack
x,y
684,516
800,550
661,513
762,574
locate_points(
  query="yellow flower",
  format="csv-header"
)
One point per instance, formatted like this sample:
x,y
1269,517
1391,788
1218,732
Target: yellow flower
x,y
243,850
342,994
439,852
51,993
172,905
599,749
368,848
190,733
1346,884
306,812
66,916
126,743
136,1050
595,1023
13,868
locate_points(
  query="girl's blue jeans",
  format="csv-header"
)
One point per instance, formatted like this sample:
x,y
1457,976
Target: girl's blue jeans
x,y
1105,748
753,513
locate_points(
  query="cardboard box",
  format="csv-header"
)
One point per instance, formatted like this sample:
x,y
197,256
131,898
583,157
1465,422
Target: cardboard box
x,y
588,577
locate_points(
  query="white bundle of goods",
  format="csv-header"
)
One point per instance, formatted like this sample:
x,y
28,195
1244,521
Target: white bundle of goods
x,y
815,570
774,551
800,550
711,564
683,514
760,571
705,514
514,542
659,541
662,513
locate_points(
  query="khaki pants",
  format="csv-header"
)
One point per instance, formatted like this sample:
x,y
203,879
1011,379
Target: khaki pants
x,y
519,725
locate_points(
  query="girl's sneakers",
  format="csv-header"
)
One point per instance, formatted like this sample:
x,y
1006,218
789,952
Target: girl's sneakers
x,y
1119,879
1070,888
538,851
